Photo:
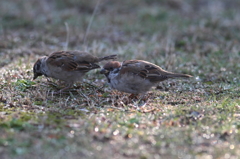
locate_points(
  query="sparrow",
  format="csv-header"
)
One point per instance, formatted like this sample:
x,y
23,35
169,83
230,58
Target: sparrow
x,y
135,76
68,66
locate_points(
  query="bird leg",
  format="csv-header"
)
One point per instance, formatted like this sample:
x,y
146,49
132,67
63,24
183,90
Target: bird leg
x,y
62,90
143,100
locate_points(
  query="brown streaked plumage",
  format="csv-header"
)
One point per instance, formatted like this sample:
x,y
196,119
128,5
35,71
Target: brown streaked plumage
x,y
136,76
68,66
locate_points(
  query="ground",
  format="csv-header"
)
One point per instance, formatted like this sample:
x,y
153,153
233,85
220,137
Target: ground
x,y
183,118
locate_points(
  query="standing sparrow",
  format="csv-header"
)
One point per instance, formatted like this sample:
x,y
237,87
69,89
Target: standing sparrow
x,y
68,66
135,76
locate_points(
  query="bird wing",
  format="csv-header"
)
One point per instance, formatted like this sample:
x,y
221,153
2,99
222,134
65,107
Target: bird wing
x,y
144,70
72,61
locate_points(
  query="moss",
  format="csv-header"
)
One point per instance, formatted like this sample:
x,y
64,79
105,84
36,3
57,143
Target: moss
x,y
23,85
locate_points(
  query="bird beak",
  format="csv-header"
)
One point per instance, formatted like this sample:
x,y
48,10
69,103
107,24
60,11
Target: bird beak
x,y
104,71
35,76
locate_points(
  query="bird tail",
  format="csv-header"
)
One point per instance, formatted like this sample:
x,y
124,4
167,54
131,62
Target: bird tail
x,y
107,57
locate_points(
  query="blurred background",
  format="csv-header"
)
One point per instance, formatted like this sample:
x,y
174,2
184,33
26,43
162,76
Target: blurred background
x,y
170,33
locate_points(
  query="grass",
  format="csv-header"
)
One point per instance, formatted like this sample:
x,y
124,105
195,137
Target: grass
x,y
195,118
